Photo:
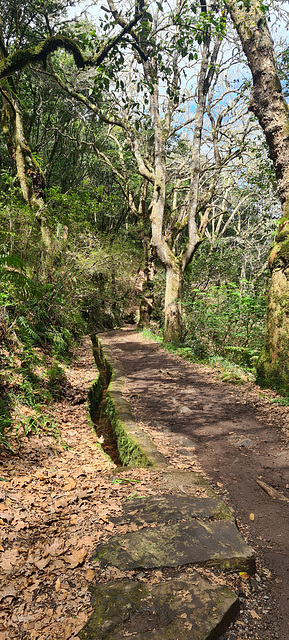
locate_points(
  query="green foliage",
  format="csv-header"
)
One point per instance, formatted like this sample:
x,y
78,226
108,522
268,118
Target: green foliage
x,y
228,320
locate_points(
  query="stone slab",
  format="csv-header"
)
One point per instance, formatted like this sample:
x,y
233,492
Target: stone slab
x,y
183,482
215,543
169,507
183,608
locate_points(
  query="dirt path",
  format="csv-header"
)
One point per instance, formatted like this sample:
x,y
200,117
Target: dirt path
x,y
236,436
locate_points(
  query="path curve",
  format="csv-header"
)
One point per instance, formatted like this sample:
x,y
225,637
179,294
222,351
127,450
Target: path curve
x,y
236,436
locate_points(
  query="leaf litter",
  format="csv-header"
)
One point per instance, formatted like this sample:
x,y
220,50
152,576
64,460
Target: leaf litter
x,y
57,504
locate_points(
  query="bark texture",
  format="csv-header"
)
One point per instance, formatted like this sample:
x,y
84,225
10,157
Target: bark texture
x,y
269,105
173,309
163,242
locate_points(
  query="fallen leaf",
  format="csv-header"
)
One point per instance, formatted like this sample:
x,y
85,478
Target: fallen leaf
x,y
61,502
8,592
43,562
40,475
244,575
56,547
70,484
85,541
6,516
8,559
76,558
20,481
20,524
74,519
89,575
252,516
57,584
254,615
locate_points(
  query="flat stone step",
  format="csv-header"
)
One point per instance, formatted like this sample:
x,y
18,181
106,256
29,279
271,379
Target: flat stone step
x,y
215,543
168,507
183,608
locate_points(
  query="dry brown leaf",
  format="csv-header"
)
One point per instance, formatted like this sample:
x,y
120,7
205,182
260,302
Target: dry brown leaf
x,y
61,502
80,621
8,592
20,524
74,519
56,547
40,475
20,481
57,584
76,558
85,541
33,586
70,484
8,559
89,575
42,562
254,615
6,515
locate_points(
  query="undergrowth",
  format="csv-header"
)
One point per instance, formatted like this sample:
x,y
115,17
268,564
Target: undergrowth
x,y
284,401
229,371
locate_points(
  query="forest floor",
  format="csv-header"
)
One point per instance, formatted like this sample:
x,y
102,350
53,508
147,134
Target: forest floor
x,y
57,500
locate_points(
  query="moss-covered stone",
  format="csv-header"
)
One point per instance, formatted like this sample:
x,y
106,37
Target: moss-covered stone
x,y
130,452
105,397
184,608
216,543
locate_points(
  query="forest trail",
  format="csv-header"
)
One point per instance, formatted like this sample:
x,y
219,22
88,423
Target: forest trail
x,y
230,434
59,502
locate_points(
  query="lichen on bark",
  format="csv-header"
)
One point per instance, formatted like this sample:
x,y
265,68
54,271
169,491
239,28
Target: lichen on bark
x,y
270,107
21,58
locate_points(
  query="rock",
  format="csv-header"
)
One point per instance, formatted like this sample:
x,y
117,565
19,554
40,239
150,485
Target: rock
x,y
171,545
184,608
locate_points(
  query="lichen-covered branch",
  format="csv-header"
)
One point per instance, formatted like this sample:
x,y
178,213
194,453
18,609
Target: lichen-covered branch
x,y
20,59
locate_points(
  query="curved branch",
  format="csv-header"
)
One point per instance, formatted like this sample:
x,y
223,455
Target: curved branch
x,y
20,59
39,53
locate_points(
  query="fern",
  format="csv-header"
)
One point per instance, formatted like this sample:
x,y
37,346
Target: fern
x,y
12,270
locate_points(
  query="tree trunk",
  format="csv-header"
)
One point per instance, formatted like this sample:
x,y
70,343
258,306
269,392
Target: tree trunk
x,y
271,109
173,308
147,301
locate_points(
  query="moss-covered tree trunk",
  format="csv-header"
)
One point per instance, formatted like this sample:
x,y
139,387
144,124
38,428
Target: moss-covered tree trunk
x,y
173,307
269,105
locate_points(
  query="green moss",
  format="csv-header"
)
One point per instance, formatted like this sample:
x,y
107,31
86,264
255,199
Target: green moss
x,y
130,453
114,606
95,397
39,53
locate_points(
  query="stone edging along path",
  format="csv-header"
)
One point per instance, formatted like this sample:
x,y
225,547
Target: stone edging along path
x,y
174,530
